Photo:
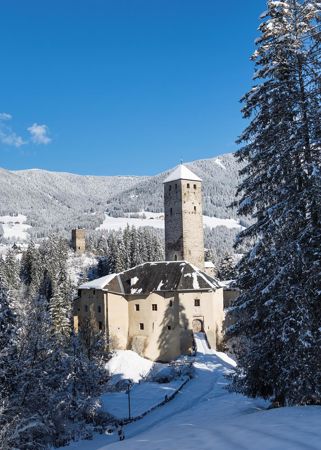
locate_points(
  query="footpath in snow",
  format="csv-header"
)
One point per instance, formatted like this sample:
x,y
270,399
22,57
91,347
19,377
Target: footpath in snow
x,y
205,416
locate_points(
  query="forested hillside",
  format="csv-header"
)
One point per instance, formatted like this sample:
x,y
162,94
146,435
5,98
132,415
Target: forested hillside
x,y
57,202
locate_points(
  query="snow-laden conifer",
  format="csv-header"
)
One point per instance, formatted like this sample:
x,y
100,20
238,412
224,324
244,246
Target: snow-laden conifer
x,y
278,314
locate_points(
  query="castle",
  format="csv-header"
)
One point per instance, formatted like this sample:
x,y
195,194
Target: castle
x,y
155,308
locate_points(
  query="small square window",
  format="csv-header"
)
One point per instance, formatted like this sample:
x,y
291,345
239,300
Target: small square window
x,y
100,325
154,307
169,327
141,326
137,307
99,308
197,302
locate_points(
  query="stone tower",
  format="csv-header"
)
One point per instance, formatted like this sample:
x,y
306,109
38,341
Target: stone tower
x,y
184,235
78,241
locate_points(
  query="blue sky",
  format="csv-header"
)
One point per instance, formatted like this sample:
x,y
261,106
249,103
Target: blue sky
x,y
122,86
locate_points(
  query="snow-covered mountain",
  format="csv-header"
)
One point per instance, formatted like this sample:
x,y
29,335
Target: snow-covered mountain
x,y
57,201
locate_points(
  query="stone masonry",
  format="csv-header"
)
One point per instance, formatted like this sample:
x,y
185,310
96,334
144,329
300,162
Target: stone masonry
x,y
184,237
78,241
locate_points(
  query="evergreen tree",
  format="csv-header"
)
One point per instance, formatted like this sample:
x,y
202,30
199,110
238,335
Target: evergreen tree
x,y
278,314
60,310
226,269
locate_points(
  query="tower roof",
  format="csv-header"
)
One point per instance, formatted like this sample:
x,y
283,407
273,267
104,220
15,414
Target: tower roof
x,y
181,172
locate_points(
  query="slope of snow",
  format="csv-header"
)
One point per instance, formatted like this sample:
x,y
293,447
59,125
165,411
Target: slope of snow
x,y
129,365
156,220
15,227
213,222
79,265
143,397
219,163
206,416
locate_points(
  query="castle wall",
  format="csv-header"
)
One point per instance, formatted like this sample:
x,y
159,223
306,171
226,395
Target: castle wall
x,y
78,240
174,249
118,320
168,332
90,307
210,312
184,222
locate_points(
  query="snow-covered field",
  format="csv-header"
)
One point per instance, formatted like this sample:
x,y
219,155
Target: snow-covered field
x,y
205,416
15,227
143,396
128,365
156,220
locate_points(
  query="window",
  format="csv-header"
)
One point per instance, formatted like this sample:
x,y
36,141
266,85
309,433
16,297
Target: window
x,y
94,292
187,185
141,326
137,307
170,187
194,208
99,308
176,186
86,308
171,211
195,186
171,303
154,307
79,292
197,302
169,327
100,325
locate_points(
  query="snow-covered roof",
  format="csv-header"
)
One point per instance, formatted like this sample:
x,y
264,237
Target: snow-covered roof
x,y
181,172
208,264
99,283
160,276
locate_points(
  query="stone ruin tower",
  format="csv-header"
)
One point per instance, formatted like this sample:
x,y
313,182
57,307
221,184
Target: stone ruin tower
x,y
184,235
78,241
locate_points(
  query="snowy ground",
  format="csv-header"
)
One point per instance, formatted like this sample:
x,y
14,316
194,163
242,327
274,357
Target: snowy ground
x,y
15,227
156,220
205,416
128,365
143,397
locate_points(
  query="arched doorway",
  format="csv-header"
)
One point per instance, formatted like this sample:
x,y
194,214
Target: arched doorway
x,y
197,326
